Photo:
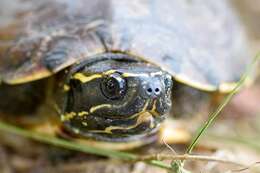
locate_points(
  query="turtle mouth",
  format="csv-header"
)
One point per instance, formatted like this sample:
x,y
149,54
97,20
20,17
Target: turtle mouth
x,y
153,108
158,108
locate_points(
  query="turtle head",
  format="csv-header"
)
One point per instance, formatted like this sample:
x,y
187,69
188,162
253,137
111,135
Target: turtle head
x,y
118,99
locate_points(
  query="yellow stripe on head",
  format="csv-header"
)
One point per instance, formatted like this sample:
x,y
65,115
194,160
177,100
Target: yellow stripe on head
x,y
109,72
82,113
84,79
134,75
94,108
66,87
68,116
143,118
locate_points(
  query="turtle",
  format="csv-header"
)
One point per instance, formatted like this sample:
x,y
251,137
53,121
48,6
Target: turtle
x,y
109,68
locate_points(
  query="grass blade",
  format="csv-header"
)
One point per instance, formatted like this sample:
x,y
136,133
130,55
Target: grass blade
x,y
226,100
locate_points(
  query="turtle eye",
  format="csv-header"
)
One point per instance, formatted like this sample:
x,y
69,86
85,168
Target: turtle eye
x,y
113,86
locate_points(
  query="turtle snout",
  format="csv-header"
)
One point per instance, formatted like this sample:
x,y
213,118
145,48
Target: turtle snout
x,y
157,91
153,88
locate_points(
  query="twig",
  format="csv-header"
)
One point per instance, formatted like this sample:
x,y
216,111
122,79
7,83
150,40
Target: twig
x,y
246,168
187,157
169,147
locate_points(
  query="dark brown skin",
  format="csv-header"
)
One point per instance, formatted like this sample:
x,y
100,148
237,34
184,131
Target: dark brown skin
x,y
22,99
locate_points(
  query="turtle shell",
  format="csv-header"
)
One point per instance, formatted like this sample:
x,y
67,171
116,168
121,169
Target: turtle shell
x,y
201,43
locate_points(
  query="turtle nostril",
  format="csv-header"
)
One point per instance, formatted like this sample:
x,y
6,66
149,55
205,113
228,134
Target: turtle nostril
x,y
153,91
149,90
